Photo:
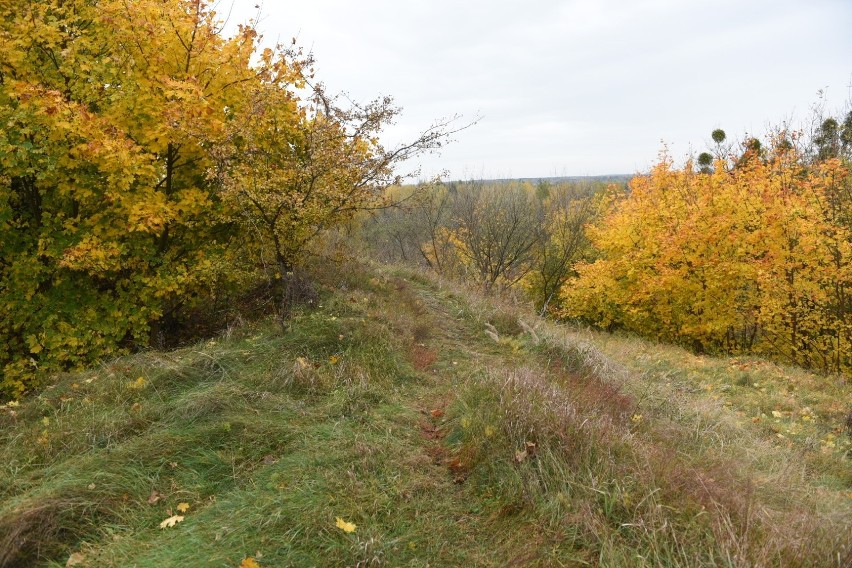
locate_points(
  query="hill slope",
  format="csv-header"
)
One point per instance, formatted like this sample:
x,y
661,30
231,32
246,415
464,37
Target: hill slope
x,y
445,428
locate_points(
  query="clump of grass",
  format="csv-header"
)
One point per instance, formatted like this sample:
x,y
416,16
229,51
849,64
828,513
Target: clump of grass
x,y
506,323
43,524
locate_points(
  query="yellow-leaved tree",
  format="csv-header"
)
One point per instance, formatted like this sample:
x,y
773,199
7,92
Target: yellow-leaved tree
x,y
108,221
749,255
142,153
295,166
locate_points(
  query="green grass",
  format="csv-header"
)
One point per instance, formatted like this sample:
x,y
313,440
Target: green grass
x,y
440,425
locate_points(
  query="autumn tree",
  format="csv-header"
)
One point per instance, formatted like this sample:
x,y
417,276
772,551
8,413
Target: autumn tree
x,y
109,223
142,154
565,211
432,217
388,232
752,257
496,228
419,227
297,167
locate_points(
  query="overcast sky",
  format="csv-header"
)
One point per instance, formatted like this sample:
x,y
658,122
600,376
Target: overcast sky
x,y
573,87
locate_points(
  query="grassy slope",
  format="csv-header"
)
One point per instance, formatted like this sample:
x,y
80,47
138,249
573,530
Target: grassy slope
x,y
391,407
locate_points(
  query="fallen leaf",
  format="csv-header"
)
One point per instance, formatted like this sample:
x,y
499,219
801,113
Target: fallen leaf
x,y
183,507
344,526
437,413
92,486
171,521
75,559
455,465
154,497
520,456
333,359
249,563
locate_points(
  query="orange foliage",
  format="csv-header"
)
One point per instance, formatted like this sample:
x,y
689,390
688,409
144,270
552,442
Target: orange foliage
x,y
749,257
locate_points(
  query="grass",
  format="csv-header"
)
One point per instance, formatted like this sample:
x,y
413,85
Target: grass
x,y
451,429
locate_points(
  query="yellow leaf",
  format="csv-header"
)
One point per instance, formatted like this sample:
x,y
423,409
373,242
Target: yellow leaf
x,y
333,359
344,526
249,563
171,521
777,414
183,507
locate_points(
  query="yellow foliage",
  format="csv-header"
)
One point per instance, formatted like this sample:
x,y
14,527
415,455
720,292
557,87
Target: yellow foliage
x,y
171,521
344,526
109,210
746,258
148,161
